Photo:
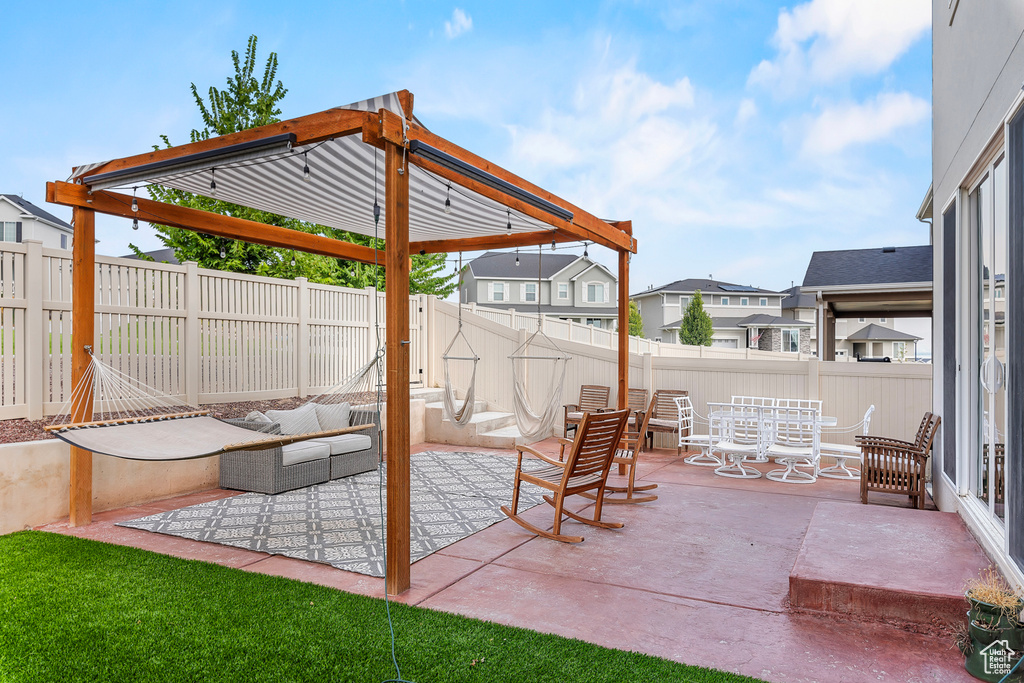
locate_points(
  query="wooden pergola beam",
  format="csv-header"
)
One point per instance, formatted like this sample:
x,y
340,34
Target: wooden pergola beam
x,y
520,239
83,288
116,204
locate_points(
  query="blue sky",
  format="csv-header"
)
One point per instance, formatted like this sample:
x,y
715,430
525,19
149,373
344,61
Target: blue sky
x,y
739,136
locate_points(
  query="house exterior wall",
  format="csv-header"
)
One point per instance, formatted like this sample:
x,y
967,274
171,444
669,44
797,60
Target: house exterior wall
x,y
33,228
978,67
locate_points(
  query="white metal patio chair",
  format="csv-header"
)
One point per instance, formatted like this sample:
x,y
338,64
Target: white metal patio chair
x,y
796,438
689,440
736,434
843,452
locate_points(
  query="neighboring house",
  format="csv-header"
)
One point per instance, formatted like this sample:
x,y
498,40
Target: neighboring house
x,y
742,316
22,220
855,337
851,288
977,200
566,286
165,255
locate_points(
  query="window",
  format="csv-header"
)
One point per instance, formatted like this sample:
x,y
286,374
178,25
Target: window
x,y
899,350
563,290
791,341
594,322
881,320
860,320
9,232
744,301
764,301
63,241
1000,294
530,291
595,292
497,291
724,301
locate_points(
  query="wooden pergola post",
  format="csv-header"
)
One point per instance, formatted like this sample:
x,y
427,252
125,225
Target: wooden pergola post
x,y
396,240
623,357
83,287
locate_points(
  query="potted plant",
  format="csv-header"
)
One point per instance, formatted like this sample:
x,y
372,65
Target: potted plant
x,y
995,626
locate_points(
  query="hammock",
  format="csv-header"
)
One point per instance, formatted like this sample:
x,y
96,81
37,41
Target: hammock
x,y
459,416
534,424
137,422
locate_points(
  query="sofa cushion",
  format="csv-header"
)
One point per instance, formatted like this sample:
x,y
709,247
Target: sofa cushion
x,y
304,451
346,443
301,420
257,416
332,415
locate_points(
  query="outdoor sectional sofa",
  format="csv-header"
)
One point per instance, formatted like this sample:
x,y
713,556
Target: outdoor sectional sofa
x,y
305,463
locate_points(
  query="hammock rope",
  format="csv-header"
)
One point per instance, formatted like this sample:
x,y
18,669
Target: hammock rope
x,y
459,416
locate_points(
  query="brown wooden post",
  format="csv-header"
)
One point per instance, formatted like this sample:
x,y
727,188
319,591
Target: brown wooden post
x,y
83,283
623,400
396,236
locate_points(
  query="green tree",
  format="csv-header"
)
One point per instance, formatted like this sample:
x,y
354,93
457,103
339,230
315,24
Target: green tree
x,y
636,323
248,102
696,328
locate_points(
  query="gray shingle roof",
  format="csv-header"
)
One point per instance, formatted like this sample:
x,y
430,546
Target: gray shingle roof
x,y
31,208
159,255
757,320
503,264
892,265
692,284
576,312
798,299
873,332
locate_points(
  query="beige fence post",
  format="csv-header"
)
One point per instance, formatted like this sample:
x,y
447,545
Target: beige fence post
x,y
36,337
193,353
302,350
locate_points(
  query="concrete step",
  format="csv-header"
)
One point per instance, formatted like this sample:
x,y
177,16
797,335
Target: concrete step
x,y
506,437
428,394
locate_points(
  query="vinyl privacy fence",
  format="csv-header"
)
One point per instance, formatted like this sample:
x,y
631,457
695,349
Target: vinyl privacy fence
x,y
203,336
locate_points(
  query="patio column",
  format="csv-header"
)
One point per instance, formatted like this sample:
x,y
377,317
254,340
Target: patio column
x,y
83,283
396,236
623,359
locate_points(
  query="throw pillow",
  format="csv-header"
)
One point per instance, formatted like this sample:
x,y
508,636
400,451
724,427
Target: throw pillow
x,y
332,415
298,421
257,416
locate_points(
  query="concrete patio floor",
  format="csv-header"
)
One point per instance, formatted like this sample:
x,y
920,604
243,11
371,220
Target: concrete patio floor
x,y
701,576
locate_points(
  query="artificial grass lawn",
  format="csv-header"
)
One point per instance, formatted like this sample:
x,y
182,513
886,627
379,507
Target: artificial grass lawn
x,y
79,610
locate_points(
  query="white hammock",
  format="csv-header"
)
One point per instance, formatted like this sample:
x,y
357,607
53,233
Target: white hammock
x,y
137,422
534,424
459,416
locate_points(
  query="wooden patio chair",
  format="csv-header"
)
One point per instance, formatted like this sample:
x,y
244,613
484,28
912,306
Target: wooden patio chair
x,y
664,415
894,466
636,401
585,469
626,456
593,398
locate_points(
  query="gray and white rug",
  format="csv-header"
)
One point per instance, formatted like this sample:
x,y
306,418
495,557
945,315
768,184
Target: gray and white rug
x,y
453,495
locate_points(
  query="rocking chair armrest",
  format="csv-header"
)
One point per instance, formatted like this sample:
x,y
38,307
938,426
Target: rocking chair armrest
x,y
872,440
534,452
574,406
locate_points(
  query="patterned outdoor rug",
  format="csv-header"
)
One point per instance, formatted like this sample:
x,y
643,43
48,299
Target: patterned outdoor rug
x,y
453,495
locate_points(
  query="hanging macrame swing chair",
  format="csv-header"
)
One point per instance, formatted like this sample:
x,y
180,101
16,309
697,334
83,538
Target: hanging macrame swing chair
x,y
134,421
536,422
459,416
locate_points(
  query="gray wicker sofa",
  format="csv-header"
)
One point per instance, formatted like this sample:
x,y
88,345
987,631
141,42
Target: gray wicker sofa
x,y
301,464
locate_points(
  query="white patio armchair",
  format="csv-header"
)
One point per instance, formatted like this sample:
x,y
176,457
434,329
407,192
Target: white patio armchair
x,y
689,440
736,433
795,444
842,452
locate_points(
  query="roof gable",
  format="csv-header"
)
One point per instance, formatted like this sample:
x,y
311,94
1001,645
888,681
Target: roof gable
x,y
502,264
691,285
30,208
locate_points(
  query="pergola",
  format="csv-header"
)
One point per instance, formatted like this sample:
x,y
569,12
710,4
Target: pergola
x,y
330,168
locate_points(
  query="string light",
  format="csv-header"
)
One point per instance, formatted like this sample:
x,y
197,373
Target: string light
x,y
448,200
552,245
213,184
517,257
135,201
223,254
508,226
293,258
585,254
135,224
305,169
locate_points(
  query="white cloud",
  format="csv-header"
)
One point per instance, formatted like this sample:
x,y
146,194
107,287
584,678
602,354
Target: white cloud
x,y
825,41
839,127
460,23
746,111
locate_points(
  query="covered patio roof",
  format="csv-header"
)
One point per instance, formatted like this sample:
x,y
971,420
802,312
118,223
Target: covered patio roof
x,y
343,168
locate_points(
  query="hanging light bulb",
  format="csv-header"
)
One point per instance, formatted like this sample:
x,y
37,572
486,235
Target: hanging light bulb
x,y
508,226
585,254
135,201
305,169
552,245
223,254
517,257
448,200
213,183
135,224
293,259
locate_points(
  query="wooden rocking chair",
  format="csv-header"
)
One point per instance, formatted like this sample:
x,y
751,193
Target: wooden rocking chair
x,y
626,456
585,469
593,398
